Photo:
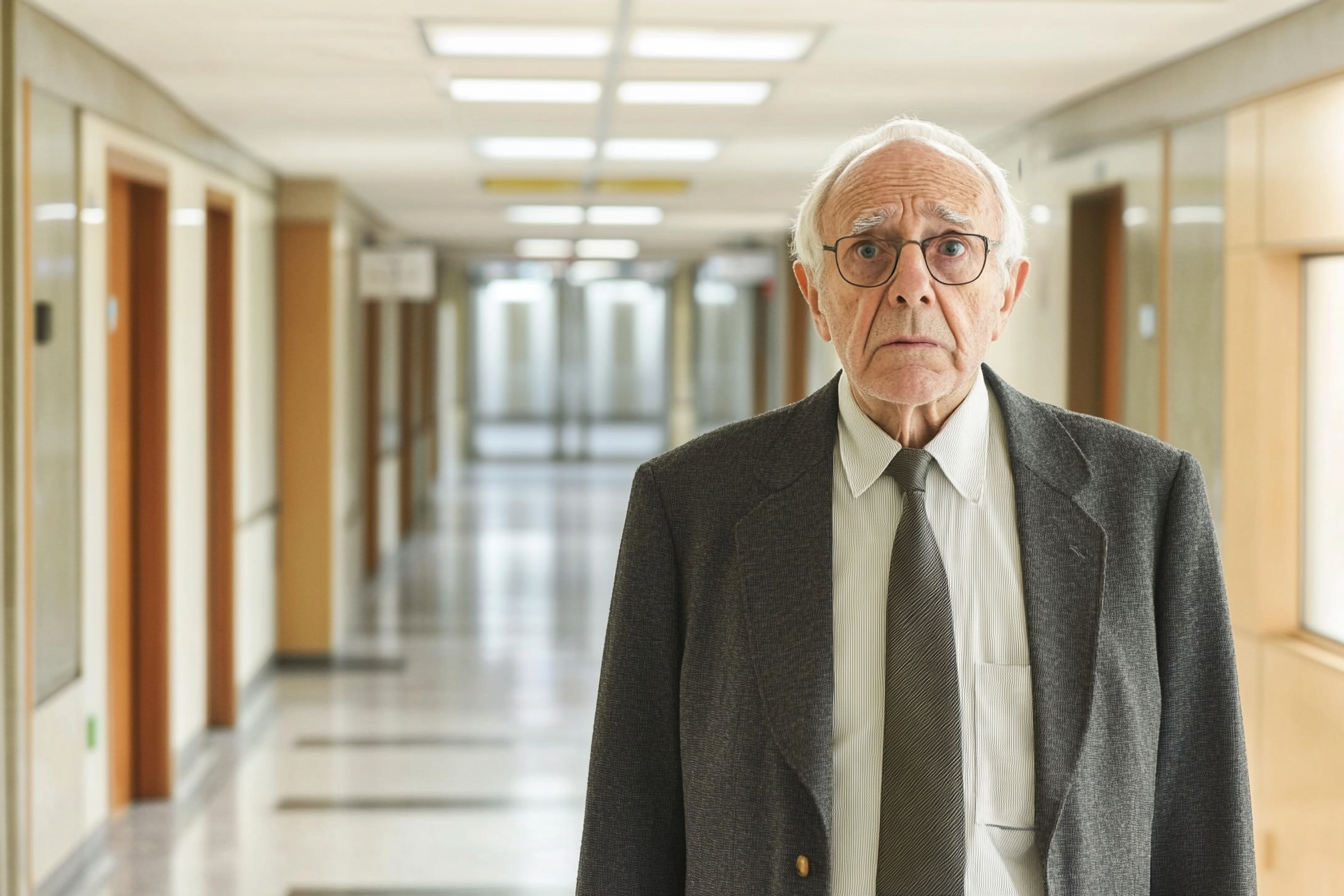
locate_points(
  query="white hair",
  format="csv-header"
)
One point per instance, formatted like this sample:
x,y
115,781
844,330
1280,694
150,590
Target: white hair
x,y
807,241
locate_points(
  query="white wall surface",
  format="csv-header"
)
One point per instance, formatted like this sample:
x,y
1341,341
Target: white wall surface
x,y
70,778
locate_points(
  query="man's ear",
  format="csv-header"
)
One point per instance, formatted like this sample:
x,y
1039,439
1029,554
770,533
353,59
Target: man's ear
x,y
1014,284
813,297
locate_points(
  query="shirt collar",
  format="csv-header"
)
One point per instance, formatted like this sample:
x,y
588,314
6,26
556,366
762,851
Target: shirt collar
x,y
960,448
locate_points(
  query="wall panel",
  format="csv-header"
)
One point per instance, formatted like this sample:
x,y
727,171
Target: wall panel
x,y
1303,139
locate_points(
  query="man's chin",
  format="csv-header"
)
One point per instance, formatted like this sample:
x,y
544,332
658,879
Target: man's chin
x,y
906,386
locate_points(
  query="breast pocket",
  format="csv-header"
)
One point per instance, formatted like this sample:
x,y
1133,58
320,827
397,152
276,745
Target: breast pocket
x,y
1005,773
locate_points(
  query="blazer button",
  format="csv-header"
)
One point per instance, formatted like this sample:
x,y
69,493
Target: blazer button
x,y
804,868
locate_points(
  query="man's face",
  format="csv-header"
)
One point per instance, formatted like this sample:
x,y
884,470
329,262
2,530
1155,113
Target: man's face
x,y
913,340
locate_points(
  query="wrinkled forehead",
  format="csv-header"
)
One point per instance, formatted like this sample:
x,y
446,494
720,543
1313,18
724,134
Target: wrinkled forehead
x,y
911,177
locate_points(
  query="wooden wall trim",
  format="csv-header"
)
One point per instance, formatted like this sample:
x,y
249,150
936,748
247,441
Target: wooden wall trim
x,y
307,529
28,597
408,408
1164,294
1262,445
373,319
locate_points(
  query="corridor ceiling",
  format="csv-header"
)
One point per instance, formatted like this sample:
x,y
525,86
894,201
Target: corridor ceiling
x,y
349,89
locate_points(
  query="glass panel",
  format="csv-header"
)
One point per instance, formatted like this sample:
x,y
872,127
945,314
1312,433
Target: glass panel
x,y
626,367
516,367
1323,474
1195,315
732,336
56,621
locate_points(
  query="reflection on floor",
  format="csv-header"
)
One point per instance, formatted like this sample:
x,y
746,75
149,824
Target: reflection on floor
x,y
456,764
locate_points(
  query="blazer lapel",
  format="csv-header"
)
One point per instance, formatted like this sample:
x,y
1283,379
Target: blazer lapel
x,y
784,557
1063,569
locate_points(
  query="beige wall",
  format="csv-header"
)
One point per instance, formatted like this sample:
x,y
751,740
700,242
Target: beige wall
x,y
1285,199
70,778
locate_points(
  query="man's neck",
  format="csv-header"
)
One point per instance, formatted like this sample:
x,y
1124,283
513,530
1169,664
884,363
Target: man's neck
x,y
913,425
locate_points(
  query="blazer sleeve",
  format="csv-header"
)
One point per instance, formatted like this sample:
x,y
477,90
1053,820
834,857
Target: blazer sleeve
x,y
633,828
1203,843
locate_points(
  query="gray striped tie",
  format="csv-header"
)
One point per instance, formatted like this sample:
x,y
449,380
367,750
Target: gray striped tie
x,y
922,844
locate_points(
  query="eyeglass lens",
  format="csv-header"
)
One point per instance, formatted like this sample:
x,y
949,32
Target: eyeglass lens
x,y
953,259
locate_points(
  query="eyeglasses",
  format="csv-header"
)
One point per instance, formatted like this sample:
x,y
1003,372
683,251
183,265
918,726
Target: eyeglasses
x,y
953,259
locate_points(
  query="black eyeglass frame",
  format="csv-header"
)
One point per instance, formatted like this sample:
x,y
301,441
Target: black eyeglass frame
x,y
899,246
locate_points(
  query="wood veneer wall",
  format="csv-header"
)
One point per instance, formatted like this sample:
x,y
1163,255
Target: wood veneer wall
x,y
307,528
1284,200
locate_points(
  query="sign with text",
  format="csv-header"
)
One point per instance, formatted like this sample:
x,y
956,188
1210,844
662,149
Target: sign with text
x,y
406,273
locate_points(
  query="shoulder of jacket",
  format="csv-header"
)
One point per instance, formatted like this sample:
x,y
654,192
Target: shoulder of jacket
x,y
1112,445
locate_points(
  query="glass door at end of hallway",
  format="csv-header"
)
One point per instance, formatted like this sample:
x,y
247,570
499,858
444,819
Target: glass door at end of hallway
x,y
569,361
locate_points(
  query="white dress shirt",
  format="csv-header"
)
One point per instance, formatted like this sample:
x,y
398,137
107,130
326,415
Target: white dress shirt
x,y
969,496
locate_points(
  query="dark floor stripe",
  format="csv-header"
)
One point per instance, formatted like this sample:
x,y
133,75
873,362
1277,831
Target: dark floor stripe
x,y
419,804
429,740
323,663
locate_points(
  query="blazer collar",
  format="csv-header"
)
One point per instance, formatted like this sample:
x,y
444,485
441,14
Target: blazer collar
x,y
1063,552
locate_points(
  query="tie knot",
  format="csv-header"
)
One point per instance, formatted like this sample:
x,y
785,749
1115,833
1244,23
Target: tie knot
x,y
909,468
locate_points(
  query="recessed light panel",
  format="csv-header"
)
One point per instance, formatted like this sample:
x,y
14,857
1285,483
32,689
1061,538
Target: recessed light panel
x,y
755,46
517,90
543,248
661,150
606,248
562,148
694,93
544,214
553,43
638,215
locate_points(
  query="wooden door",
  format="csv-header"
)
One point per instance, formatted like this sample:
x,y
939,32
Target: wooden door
x,y
1096,304
222,690
139,738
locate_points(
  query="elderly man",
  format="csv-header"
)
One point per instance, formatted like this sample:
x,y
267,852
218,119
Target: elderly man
x,y
917,634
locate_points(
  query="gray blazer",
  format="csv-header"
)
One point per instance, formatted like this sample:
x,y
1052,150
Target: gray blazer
x,y
711,759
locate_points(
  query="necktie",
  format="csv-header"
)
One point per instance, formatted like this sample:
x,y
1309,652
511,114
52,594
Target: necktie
x,y
921,842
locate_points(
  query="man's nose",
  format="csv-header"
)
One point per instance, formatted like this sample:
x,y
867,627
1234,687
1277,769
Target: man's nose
x,y
911,283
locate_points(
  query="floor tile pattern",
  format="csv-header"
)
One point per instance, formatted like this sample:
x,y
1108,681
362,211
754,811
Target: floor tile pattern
x,y
447,755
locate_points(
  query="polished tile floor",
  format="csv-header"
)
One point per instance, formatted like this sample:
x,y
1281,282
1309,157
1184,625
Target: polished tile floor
x,y
449,757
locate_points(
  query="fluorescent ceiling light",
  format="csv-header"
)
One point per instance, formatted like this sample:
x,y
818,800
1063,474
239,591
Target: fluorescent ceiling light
x,y
466,40
606,248
756,46
518,90
695,93
543,248
625,214
579,148
661,150
544,214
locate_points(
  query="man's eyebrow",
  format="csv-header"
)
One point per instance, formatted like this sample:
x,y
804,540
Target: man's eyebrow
x,y
951,217
868,220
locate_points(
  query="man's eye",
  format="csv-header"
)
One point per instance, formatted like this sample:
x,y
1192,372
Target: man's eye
x,y
867,251
952,248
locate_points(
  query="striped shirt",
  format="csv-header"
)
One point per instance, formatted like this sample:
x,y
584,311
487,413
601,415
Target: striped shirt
x,y
969,496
